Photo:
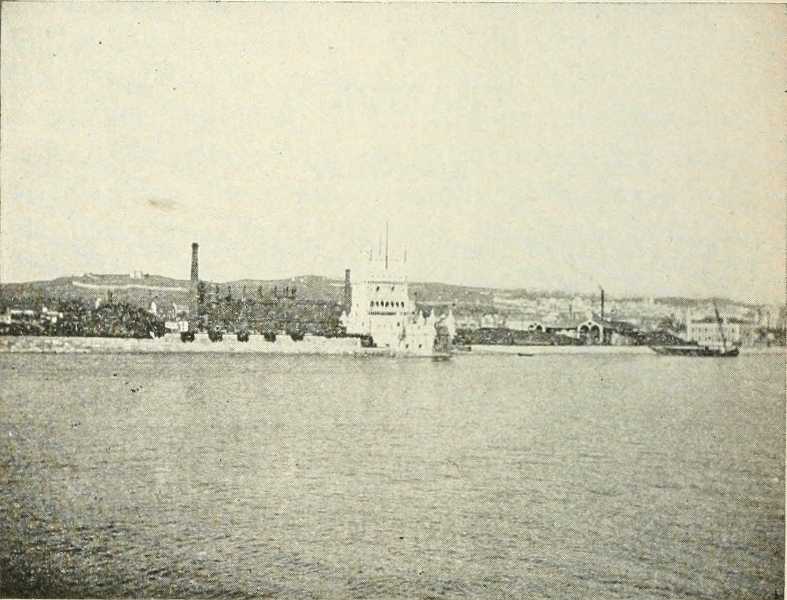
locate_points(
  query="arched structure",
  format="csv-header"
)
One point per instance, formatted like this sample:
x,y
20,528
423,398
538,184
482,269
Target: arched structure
x,y
591,332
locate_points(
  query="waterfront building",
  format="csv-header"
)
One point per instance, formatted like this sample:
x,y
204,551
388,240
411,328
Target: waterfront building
x,y
565,326
518,324
706,331
381,307
52,316
588,330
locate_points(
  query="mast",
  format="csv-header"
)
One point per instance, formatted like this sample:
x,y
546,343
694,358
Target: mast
x,y
386,245
721,329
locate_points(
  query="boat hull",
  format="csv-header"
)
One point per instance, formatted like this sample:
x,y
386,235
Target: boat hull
x,y
695,351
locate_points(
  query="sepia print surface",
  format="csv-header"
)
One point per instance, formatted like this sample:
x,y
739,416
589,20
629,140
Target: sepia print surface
x,y
392,300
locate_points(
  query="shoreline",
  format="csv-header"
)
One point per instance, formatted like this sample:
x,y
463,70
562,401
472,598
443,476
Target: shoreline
x,y
313,345
172,344
575,350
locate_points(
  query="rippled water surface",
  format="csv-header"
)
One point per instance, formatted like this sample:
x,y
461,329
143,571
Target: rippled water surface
x,y
319,477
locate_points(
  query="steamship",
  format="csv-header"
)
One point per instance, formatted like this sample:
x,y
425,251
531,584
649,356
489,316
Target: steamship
x,y
701,351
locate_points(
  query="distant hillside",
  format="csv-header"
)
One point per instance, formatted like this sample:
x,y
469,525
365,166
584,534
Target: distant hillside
x,y
309,287
141,290
166,289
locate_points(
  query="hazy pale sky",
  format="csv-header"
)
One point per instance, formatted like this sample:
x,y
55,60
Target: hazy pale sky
x,y
640,147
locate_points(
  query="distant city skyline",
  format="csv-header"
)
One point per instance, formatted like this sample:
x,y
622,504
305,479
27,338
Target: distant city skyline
x,y
538,147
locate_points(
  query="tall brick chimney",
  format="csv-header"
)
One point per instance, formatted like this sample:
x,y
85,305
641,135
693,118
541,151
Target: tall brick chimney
x,y
348,291
194,264
602,304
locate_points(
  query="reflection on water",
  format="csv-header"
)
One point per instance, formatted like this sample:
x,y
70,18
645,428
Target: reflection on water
x,y
298,477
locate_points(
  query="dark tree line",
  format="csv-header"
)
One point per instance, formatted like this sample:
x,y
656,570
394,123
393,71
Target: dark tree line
x,y
76,318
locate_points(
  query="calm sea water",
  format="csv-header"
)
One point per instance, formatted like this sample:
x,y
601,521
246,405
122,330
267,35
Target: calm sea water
x,y
321,477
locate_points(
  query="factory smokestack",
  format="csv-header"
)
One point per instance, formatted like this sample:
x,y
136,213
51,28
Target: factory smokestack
x,y
194,264
348,291
602,304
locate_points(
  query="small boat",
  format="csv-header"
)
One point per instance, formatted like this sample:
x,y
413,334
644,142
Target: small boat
x,y
523,354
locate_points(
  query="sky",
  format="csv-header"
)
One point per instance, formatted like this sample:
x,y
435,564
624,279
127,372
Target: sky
x,y
638,147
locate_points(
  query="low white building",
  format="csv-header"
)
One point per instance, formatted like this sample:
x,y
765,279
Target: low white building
x,y
707,332
52,316
589,331
524,325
